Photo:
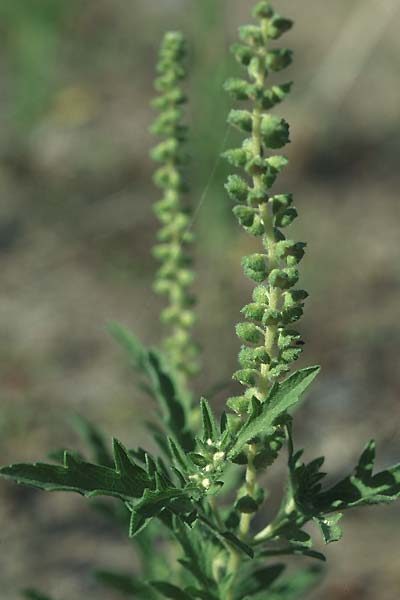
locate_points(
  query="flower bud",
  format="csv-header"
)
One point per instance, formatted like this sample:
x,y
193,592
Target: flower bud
x,y
287,217
241,119
247,377
278,26
237,157
237,188
243,54
254,267
260,294
248,332
254,311
279,59
239,404
251,34
245,215
271,317
263,10
275,131
239,89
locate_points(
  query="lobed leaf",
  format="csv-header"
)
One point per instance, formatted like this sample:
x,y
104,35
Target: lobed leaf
x,y
126,481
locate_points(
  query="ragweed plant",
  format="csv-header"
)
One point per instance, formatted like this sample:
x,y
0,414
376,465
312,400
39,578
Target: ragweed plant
x,y
206,485
174,278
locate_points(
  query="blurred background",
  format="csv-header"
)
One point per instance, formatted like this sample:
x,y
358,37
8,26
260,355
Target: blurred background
x,y
76,230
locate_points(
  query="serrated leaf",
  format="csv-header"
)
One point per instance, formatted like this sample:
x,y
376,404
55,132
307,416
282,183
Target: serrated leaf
x,y
170,591
126,584
330,527
166,393
198,552
362,488
126,481
282,397
210,427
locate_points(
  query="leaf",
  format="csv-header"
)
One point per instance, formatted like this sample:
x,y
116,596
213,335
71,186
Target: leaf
x,y
166,393
294,587
282,397
170,591
294,549
362,488
259,581
227,538
125,583
210,427
126,481
330,527
198,552
131,344
94,439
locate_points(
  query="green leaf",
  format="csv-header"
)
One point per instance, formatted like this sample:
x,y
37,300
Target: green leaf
x,y
131,344
282,397
294,549
198,552
362,488
294,587
210,427
166,393
126,481
170,591
126,584
330,527
259,581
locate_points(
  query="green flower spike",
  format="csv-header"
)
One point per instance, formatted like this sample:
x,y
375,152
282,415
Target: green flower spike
x,y
175,277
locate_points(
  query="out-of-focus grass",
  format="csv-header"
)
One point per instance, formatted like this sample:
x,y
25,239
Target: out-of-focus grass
x,y
76,228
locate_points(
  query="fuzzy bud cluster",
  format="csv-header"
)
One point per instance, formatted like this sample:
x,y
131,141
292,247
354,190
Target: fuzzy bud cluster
x,y
175,276
270,344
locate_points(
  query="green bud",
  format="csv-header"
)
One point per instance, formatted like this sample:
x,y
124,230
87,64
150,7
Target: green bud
x,y
281,202
277,371
290,354
288,338
260,294
247,377
166,177
245,215
278,26
246,505
185,277
279,59
241,119
271,317
237,188
294,297
174,97
254,311
255,267
275,95
263,10
243,54
239,404
292,251
248,332
251,358
286,218
275,131
292,314
166,151
170,315
237,157
252,35
239,89
283,278
257,229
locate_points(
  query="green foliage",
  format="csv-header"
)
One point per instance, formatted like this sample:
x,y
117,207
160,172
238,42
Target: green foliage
x,y
189,505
